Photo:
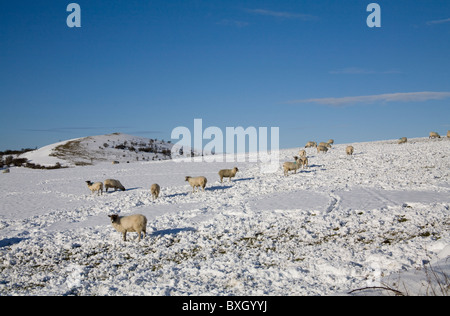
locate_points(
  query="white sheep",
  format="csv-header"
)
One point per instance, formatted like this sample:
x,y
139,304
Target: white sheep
x,y
403,140
227,173
323,144
310,144
155,189
97,186
133,224
434,135
197,182
322,148
331,141
289,166
349,150
302,153
303,162
114,184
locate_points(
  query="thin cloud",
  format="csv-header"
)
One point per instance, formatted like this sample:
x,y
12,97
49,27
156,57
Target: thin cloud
x,y
146,132
282,15
70,129
439,21
392,97
238,24
362,71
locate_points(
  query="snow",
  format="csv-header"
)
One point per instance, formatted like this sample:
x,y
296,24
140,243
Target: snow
x,y
94,149
378,218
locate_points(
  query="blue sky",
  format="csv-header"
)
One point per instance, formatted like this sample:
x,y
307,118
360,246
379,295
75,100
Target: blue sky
x,y
312,68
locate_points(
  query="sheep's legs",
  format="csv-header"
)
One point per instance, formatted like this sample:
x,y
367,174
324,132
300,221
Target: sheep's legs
x,y
144,235
125,236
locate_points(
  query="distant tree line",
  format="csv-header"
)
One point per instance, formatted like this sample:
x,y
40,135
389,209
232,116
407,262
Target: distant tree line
x,y
151,147
7,159
16,152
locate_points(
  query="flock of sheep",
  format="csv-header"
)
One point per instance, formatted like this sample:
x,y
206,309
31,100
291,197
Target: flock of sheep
x,y
302,160
138,223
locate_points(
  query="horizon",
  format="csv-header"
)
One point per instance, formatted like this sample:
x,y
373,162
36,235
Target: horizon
x,y
315,69
225,152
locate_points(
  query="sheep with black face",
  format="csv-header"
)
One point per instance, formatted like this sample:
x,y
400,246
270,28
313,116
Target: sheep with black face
x,y
97,186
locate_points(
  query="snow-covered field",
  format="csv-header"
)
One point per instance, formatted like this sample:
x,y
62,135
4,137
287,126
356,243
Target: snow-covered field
x,y
344,223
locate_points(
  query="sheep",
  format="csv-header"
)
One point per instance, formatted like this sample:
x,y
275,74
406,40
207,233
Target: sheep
x,y
227,173
115,184
448,134
155,189
331,141
403,140
349,150
322,148
5,171
97,186
289,166
197,182
304,162
434,135
323,144
310,144
302,153
115,162
133,224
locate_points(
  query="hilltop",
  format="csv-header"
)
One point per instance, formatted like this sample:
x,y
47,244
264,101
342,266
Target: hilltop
x,y
91,150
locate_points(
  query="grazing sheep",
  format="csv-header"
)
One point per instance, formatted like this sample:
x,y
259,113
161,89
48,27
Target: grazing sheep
x,y
302,153
331,141
434,135
303,162
115,162
5,171
155,189
227,173
115,184
310,144
349,150
328,145
97,186
289,166
403,140
197,182
322,148
133,224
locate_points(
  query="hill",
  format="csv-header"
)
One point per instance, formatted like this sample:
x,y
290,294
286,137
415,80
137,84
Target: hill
x,y
91,150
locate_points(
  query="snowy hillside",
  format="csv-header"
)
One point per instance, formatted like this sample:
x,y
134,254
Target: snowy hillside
x,y
345,223
103,148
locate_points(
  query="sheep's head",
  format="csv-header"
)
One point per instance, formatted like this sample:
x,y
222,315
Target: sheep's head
x,y
235,169
187,178
114,218
88,182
